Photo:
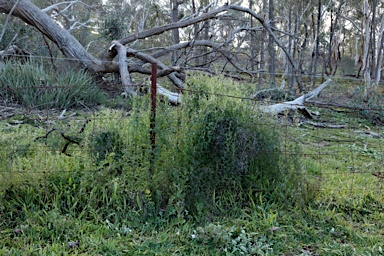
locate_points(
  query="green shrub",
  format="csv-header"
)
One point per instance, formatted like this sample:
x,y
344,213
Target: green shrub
x,y
215,152
30,85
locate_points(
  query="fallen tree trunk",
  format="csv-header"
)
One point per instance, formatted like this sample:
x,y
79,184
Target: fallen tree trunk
x,y
297,104
173,97
126,79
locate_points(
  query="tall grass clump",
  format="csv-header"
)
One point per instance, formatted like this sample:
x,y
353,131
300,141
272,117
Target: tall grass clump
x,y
33,86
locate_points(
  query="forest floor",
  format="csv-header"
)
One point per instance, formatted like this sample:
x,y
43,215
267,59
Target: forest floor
x,y
342,154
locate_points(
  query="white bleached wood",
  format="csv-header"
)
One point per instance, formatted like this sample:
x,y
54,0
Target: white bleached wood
x,y
294,104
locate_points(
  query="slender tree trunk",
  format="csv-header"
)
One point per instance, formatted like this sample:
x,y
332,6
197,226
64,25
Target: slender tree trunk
x,y
85,29
380,53
252,39
331,45
271,49
373,38
331,41
206,25
195,32
290,45
294,52
313,27
328,66
303,50
317,44
366,59
175,32
262,47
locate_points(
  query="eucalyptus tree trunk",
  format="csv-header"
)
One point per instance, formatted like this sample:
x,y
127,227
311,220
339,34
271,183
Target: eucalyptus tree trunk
x,y
373,38
287,75
291,44
175,32
206,27
252,39
331,44
367,40
380,53
271,49
195,31
317,44
262,46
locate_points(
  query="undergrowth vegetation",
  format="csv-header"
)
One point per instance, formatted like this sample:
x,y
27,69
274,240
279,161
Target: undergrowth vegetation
x,y
223,179
34,86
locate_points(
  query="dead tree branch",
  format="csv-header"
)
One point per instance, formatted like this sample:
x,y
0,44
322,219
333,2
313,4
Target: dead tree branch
x,y
123,68
294,104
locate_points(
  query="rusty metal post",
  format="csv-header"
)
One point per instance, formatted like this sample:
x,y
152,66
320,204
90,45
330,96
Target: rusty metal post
x,y
152,132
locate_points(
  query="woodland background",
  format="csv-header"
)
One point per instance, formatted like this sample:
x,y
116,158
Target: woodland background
x,y
269,128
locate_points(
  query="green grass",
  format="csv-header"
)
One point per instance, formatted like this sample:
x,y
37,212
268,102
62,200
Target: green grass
x,y
35,87
100,193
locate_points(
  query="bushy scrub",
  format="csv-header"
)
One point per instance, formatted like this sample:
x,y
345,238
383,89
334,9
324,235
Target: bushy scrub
x,y
32,86
218,151
213,155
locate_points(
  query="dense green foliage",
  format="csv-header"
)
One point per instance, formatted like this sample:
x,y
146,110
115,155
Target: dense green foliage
x,y
113,26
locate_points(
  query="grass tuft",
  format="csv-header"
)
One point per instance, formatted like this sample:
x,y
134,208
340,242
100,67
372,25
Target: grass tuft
x,y
32,86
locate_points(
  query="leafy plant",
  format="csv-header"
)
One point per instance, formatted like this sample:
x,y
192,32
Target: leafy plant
x,y
232,241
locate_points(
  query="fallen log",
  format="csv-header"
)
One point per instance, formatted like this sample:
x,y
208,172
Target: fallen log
x,y
323,125
173,97
297,104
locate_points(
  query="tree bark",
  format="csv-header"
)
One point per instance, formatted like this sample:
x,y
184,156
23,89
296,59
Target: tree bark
x,y
126,79
252,39
331,45
175,32
367,41
271,49
316,51
262,48
373,39
380,53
